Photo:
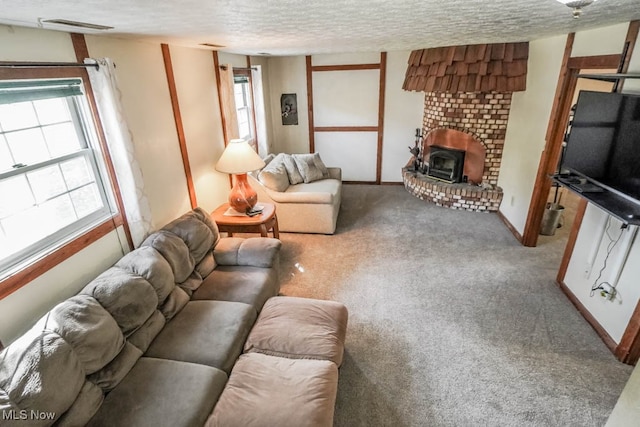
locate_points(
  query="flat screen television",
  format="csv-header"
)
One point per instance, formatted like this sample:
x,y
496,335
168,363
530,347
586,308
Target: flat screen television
x,y
604,142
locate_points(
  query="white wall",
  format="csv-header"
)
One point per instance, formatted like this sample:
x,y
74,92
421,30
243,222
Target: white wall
x,y
28,44
589,258
349,98
237,61
403,113
528,119
200,110
287,74
147,107
600,41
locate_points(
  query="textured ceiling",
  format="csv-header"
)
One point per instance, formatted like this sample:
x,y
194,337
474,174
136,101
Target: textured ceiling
x,y
296,27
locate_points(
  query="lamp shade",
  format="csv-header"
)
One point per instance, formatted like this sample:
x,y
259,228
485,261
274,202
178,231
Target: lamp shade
x,y
239,158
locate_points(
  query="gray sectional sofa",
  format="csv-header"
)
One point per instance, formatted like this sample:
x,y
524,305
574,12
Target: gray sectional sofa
x,y
186,330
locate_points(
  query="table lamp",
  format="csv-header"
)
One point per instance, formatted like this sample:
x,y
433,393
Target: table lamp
x,y
237,159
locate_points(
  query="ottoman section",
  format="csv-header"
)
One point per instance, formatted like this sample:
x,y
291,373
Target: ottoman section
x,y
300,328
205,332
160,392
250,285
267,390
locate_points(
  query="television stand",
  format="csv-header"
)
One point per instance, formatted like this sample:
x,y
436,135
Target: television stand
x,y
618,206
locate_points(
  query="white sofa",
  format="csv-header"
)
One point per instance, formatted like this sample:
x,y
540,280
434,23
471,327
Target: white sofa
x,y
306,207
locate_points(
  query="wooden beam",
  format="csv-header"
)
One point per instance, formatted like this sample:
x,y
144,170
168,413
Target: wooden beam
x,y
587,62
216,66
381,103
223,117
80,46
312,142
346,67
542,184
253,103
346,129
166,55
571,241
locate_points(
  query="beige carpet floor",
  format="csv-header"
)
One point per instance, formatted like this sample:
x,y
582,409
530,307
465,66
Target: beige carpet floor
x,y
452,321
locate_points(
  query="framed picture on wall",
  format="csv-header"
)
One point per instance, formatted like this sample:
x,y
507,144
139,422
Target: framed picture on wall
x,y
289,108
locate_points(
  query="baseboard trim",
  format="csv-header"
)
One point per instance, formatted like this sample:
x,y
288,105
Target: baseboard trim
x,y
606,338
392,183
510,226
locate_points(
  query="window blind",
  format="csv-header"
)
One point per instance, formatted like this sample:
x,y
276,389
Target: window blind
x,y
31,90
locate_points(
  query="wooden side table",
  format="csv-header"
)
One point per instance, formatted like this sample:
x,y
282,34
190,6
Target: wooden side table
x,y
261,223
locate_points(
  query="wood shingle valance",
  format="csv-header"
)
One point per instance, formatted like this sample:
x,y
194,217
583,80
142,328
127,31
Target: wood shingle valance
x,y
500,67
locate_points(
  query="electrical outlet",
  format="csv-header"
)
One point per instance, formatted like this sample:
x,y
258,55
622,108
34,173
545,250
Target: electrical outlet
x,y
512,202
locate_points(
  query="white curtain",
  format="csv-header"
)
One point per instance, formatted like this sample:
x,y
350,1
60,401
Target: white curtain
x,y
258,103
121,149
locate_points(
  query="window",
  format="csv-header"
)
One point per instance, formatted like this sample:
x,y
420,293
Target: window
x,y
51,186
244,104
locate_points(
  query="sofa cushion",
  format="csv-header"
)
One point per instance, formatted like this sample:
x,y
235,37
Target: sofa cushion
x,y
266,390
252,251
175,251
319,333
295,177
250,285
177,299
110,376
160,392
152,266
311,167
274,175
205,332
324,191
85,325
197,230
40,371
129,298
85,406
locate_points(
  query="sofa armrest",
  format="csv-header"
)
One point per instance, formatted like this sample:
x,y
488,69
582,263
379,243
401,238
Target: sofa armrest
x,y
252,251
335,173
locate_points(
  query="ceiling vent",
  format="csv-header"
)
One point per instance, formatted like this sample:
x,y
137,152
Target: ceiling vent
x,y
76,24
212,45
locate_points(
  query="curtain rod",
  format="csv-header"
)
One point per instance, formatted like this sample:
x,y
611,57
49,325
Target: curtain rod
x,y
224,67
8,64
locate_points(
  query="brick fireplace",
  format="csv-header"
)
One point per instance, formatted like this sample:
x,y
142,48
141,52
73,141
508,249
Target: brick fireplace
x,y
468,91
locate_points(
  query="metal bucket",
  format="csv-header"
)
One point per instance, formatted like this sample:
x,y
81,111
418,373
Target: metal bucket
x,y
551,219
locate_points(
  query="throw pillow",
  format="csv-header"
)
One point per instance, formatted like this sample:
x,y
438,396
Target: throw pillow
x,y
268,158
274,175
292,170
311,167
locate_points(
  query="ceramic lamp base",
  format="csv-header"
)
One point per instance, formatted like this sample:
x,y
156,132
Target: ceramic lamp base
x,y
242,197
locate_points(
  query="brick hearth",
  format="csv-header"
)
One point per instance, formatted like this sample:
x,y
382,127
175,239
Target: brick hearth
x,y
454,196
